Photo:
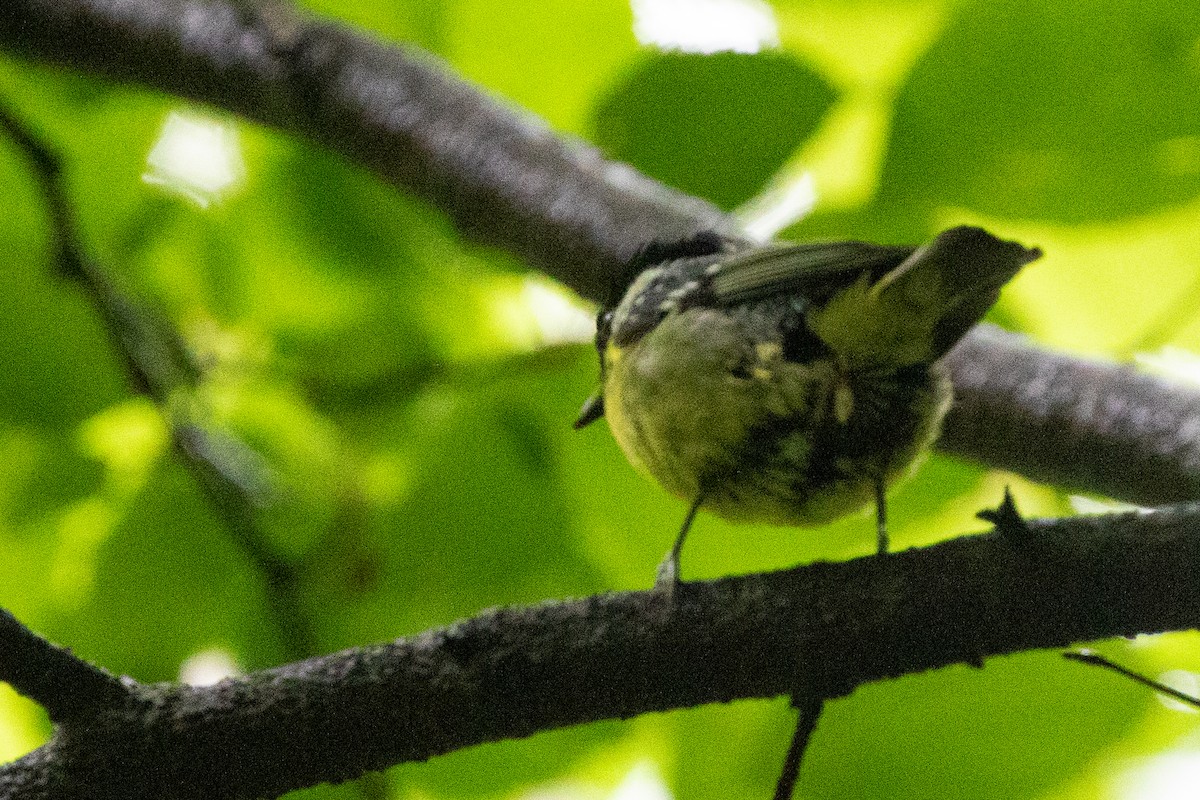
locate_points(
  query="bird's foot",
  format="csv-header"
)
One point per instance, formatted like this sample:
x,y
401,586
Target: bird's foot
x,y
666,577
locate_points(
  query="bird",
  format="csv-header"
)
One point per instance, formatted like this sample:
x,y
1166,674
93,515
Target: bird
x,y
788,383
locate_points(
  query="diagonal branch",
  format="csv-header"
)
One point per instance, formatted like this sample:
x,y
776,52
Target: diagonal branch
x,y
501,174
508,181
63,684
160,366
808,712
155,358
1094,659
814,631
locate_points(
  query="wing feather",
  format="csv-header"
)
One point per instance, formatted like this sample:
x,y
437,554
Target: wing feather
x,y
816,270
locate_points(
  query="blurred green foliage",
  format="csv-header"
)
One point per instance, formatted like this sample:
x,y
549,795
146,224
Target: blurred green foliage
x,y
408,410
712,138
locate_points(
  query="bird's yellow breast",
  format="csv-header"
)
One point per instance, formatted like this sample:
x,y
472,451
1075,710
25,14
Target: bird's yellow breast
x,y
704,405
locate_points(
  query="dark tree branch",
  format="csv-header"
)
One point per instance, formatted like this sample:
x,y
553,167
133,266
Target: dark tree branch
x,y
1082,424
508,181
67,687
815,631
502,175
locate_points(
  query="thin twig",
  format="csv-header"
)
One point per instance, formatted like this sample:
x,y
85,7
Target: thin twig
x,y
156,359
1092,658
159,364
809,711
232,498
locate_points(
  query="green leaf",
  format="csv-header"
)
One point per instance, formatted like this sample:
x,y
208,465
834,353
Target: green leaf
x,y
1013,729
160,581
1076,111
715,125
549,56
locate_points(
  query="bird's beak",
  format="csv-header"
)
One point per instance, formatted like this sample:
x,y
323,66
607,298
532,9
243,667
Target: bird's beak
x,y
593,409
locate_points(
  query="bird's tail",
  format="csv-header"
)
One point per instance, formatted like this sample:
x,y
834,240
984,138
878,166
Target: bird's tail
x,y
919,310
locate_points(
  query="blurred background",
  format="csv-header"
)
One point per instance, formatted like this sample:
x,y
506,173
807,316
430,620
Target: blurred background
x,y
398,404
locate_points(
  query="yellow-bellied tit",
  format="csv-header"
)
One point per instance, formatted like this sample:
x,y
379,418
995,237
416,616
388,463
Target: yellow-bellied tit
x,y
792,383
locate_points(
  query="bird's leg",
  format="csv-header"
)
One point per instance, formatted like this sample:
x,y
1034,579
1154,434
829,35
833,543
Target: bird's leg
x,y
667,575
881,534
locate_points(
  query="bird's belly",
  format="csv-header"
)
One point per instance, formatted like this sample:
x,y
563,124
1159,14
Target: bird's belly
x,y
765,444
673,428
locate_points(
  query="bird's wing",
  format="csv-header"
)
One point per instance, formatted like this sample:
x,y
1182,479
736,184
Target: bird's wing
x,y
815,270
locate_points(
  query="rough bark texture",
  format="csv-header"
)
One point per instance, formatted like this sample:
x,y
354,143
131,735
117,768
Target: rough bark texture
x,y
821,629
507,180
1078,423
500,173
